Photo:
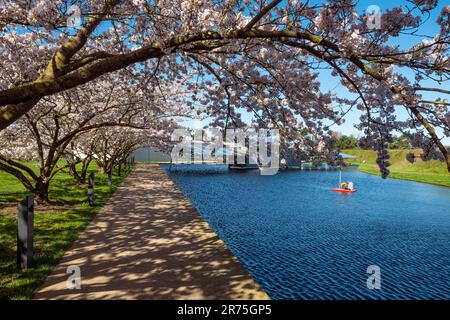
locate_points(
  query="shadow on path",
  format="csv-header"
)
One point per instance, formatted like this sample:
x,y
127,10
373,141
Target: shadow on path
x,y
148,242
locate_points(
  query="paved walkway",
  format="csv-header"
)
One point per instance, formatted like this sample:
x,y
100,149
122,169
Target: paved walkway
x,y
148,242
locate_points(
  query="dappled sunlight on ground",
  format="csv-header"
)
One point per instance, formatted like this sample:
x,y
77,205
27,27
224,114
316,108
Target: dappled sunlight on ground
x,y
148,242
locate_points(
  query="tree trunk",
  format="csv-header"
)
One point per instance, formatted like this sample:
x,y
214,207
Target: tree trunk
x,y
84,170
448,161
41,190
74,173
433,135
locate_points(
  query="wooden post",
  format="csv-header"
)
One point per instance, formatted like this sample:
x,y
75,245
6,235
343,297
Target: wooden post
x,y
119,169
110,172
91,189
25,221
299,156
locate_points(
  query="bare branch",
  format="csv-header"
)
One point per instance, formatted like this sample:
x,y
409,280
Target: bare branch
x,y
261,14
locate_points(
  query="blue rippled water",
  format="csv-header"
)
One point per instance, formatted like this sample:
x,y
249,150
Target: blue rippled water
x,y
300,240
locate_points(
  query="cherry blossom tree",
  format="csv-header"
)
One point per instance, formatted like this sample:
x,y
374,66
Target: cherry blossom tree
x,y
112,146
58,129
78,154
236,56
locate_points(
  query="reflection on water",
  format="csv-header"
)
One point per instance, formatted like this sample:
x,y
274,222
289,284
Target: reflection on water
x,y
300,240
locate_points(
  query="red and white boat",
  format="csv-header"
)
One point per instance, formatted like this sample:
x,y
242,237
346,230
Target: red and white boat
x,y
340,184
343,190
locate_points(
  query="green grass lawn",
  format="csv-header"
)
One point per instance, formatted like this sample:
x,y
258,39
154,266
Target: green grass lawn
x,y
433,172
56,227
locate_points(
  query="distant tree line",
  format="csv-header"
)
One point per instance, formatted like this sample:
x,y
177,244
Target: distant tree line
x,y
351,142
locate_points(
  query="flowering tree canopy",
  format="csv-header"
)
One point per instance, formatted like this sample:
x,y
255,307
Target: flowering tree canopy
x,y
68,125
241,56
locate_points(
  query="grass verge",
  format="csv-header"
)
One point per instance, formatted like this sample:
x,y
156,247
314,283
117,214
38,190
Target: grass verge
x,y
56,226
433,172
